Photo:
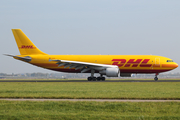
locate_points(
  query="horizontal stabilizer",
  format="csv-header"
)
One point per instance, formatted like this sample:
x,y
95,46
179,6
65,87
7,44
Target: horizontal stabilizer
x,y
27,58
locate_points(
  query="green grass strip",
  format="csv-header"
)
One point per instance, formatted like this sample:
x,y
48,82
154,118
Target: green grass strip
x,y
95,90
89,110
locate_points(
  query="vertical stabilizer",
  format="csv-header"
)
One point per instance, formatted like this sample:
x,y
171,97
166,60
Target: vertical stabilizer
x,y
24,44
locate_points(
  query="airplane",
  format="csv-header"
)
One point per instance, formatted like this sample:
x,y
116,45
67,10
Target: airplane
x,y
105,65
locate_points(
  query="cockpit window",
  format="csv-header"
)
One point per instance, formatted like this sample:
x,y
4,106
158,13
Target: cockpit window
x,y
169,60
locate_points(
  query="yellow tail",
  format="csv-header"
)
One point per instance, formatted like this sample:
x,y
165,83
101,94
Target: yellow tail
x,y
25,46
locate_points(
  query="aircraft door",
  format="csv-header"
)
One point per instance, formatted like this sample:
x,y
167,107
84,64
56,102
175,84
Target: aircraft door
x,y
157,62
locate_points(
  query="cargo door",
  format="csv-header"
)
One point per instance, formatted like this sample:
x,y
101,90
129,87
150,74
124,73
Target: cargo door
x,y
157,62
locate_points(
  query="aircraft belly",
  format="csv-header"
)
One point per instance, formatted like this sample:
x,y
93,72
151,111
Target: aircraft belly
x,y
55,67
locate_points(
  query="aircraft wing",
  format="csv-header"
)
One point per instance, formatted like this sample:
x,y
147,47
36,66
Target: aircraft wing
x,y
83,66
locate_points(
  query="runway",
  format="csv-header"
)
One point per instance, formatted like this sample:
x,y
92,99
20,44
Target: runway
x,y
94,100
88,81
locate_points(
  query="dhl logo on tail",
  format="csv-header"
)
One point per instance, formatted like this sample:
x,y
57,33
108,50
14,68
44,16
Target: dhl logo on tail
x,y
133,62
27,47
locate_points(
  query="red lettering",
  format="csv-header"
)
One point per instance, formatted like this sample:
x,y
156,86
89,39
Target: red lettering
x,y
119,62
133,63
27,47
144,63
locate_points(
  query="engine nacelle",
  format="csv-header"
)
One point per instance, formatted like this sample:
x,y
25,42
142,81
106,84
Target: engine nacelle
x,y
110,72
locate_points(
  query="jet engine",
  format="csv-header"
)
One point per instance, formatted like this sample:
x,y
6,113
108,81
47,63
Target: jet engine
x,y
110,72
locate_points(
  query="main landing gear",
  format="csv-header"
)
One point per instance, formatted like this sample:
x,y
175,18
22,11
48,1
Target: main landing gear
x,y
156,78
92,78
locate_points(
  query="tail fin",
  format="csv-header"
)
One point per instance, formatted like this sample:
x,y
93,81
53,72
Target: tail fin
x,y
25,46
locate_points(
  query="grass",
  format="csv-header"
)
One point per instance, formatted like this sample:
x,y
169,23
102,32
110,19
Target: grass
x,y
21,110
89,110
95,90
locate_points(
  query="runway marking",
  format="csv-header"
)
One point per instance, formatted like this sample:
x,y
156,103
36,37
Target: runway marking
x,y
95,100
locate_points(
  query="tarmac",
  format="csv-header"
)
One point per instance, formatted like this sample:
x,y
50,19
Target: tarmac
x,y
88,81
95,100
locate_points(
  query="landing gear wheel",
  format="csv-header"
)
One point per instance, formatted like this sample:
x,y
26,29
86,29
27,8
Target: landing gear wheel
x,y
89,78
98,78
94,78
156,78
103,78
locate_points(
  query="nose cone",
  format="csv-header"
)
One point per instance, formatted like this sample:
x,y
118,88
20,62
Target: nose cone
x,y
170,66
176,65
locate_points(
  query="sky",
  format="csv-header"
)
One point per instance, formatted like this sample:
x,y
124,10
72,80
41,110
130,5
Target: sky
x,y
106,27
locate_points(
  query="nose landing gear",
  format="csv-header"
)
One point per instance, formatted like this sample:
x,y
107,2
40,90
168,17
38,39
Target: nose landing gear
x,y
156,78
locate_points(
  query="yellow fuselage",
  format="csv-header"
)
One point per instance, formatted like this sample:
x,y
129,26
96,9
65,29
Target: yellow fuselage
x,y
126,63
